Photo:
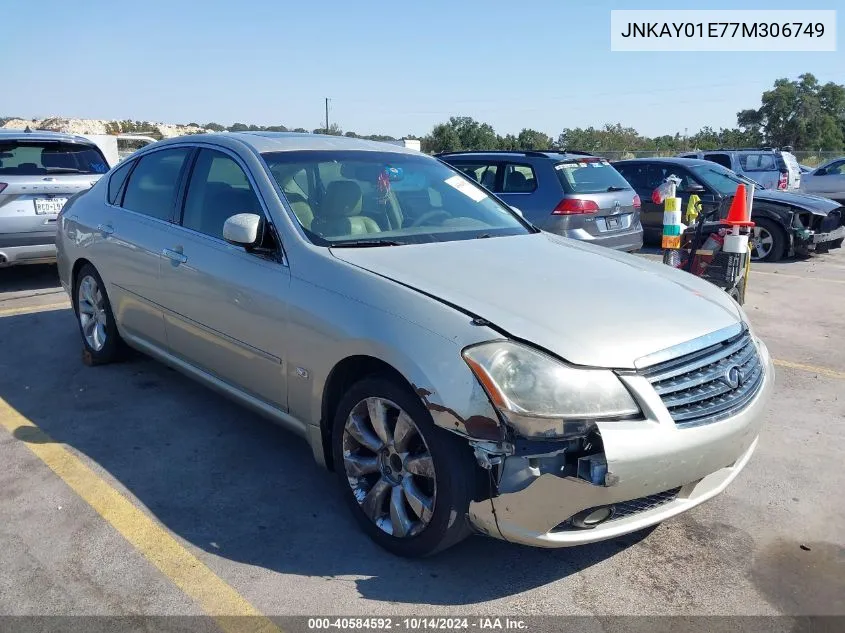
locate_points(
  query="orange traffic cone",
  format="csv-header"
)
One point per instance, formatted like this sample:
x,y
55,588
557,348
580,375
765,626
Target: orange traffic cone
x,y
738,213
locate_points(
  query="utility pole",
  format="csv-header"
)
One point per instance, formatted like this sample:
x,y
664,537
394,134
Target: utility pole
x,y
327,115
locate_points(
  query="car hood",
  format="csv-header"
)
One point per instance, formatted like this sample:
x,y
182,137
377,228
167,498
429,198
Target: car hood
x,y
586,304
814,204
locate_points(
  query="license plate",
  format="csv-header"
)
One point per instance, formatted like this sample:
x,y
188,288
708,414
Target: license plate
x,y
49,206
613,223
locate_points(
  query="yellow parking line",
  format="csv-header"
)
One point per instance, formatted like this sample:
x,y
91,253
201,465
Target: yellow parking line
x,y
185,570
824,371
4,312
754,271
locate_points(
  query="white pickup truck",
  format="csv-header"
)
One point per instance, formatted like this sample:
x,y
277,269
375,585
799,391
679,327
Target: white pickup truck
x,y
117,147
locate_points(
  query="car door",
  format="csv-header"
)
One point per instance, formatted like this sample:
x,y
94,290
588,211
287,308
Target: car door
x,y
133,231
224,306
827,181
644,178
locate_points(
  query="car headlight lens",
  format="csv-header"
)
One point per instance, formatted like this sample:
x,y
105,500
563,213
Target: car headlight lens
x,y
540,396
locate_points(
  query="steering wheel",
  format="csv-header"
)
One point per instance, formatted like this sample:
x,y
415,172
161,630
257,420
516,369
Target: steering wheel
x,y
431,214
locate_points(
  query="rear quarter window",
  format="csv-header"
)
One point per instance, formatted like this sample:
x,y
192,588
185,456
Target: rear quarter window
x,y
591,175
116,181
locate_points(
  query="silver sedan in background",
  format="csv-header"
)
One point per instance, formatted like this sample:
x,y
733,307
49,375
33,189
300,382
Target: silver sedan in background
x,y
457,368
827,180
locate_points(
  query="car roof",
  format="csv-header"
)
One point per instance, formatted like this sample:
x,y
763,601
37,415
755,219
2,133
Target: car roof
x,y
263,142
689,162
42,135
549,154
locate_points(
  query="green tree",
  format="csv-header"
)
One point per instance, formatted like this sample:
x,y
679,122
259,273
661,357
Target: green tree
x,y
800,113
214,127
461,133
532,139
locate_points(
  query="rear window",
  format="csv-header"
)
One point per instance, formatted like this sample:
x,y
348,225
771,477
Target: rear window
x,y
591,175
37,158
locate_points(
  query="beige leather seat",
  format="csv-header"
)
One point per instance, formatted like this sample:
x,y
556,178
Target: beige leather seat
x,y
299,205
340,213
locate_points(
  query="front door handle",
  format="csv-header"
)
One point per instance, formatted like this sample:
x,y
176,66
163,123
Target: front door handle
x,y
174,256
105,229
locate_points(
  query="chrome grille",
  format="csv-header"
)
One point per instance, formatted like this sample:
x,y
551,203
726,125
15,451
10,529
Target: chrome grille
x,y
711,384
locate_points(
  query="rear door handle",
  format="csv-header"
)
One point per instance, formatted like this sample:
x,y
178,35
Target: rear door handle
x,y
105,229
174,256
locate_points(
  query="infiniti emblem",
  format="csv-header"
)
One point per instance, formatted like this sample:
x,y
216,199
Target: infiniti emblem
x,y
616,206
733,377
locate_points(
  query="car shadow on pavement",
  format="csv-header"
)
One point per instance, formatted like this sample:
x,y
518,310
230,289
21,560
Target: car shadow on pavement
x,y
34,277
232,483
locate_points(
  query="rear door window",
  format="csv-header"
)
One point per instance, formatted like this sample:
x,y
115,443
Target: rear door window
x,y
23,157
758,162
153,185
589,175
519,179
720,159
484,173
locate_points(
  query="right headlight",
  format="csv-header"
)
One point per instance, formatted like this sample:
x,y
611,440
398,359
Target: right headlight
x,y
540,397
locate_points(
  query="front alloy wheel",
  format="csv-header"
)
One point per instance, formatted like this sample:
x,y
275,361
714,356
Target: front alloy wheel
x,y
389,467
408,482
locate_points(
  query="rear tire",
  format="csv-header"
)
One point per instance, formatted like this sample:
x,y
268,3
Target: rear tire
x,y
768,241
369,472
101,342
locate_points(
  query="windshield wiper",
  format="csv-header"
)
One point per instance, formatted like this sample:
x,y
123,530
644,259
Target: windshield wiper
x,y
365,243
66,170
613,188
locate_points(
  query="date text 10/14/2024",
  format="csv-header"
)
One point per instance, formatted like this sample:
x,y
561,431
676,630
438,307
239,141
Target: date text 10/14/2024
x,y
417,623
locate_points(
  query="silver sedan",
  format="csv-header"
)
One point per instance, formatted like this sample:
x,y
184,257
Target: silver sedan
x,y
458,369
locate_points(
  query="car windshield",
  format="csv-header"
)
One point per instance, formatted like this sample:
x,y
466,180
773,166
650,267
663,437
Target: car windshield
x,y
363,198
36,158
589,175
717,177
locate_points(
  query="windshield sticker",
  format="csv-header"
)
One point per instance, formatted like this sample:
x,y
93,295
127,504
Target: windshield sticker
x,y
465,188
582,164
566,166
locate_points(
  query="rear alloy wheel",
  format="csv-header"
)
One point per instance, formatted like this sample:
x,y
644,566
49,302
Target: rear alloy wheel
x,y
407,481
767,242
100,340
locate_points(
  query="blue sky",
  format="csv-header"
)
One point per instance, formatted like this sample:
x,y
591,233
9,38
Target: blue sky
x,y
388,67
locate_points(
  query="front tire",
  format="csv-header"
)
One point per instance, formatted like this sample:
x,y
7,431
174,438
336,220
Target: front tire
x,y
768,241
101,342
408,482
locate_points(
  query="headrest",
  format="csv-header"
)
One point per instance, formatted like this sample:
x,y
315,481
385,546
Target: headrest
x,y
343,198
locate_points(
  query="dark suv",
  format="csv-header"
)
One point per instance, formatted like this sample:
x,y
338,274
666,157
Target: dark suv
x,y
573,194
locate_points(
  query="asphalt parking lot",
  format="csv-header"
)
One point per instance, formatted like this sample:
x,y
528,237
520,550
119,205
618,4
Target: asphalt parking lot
x,y
129,490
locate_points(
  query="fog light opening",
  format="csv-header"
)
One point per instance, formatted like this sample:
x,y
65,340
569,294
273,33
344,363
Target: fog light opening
x,y
592,517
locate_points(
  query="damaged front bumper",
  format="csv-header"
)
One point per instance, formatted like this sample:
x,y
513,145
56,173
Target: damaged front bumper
x,y
808,240
655,470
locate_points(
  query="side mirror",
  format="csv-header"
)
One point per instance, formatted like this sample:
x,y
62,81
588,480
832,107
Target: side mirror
x,y
694,187
242,229
517,211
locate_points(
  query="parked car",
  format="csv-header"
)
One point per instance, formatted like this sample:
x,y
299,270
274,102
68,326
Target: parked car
x,y
459,369
573,194
39,171
786,222
828,180
773,168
